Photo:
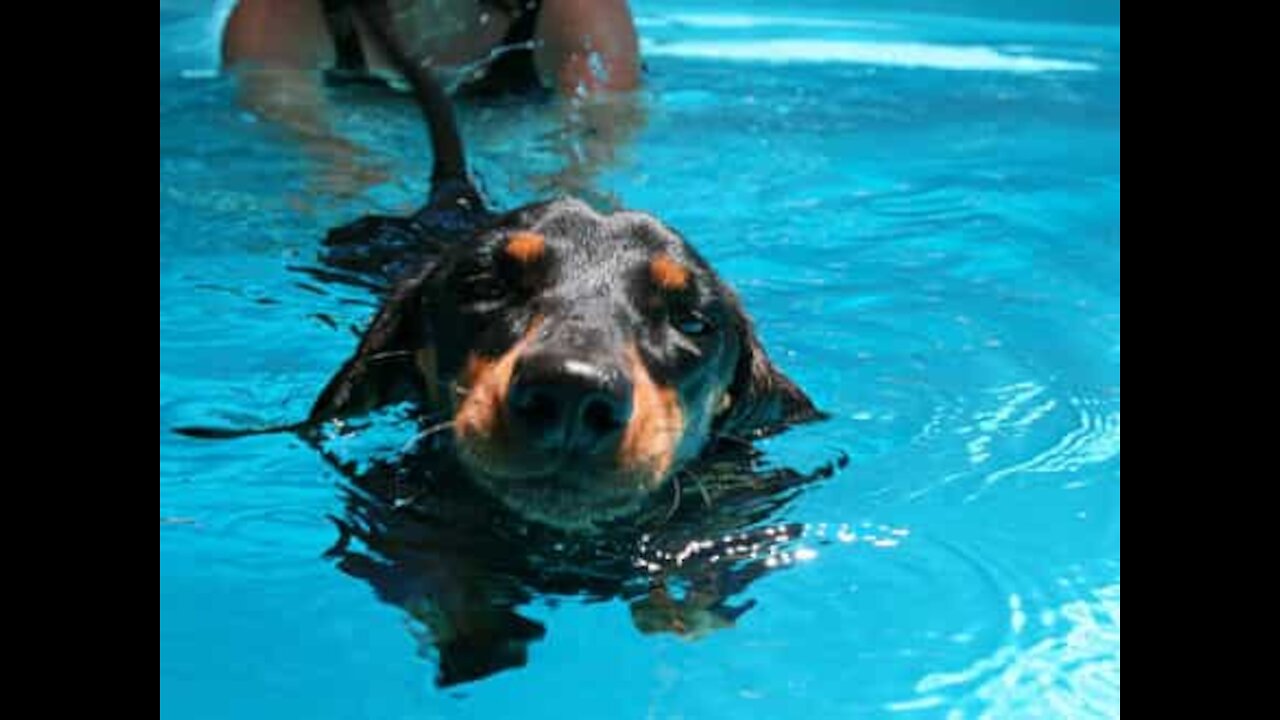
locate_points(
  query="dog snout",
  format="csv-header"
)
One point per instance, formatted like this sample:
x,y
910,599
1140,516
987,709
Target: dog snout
x,y
569,404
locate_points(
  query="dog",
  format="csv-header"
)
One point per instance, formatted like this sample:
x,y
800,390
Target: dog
x,y
583,360
573,376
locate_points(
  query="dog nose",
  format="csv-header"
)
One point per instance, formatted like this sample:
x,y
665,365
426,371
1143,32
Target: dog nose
x,y
567,404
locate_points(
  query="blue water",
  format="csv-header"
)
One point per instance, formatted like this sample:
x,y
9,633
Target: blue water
x,y
923,213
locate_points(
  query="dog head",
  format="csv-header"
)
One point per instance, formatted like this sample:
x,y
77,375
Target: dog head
x,y
583,359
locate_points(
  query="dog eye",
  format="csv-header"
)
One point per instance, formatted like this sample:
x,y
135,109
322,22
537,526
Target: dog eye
x,y
488,291
693,323
483,290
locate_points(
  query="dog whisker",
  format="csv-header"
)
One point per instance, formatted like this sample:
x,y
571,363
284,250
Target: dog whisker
x,y
733,440
390,356
706,494
427,434
678,500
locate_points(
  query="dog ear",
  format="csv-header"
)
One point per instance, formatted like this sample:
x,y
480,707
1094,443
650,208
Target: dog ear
x,y
393,365
763,401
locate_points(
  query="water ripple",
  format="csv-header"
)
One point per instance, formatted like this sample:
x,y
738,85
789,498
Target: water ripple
x,y
1074,670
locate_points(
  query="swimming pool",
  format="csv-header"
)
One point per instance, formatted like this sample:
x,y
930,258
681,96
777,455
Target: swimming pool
x,y
923,213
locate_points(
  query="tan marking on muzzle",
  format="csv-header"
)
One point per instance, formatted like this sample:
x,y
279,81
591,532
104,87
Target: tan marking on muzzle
x,y
653,438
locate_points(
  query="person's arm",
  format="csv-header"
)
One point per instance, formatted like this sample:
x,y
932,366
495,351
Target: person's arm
x,y
589,51
277,49
587,46
278,34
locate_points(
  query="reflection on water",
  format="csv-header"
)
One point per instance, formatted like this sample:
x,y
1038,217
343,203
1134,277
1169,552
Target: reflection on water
x,y
462,566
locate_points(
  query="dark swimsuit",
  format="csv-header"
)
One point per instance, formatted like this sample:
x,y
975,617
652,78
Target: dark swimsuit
x,y
512,72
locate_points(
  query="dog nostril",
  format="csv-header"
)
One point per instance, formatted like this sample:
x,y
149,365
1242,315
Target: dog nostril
x,y
602,417
538,407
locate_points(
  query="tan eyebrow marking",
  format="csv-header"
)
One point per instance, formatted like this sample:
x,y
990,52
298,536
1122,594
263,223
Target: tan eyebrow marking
x,y
669,274
527,248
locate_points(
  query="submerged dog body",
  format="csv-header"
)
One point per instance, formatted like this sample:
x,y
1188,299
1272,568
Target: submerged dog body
x,y
581,360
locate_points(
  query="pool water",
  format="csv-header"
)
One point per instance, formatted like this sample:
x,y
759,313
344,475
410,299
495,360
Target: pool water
x,y
923,214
